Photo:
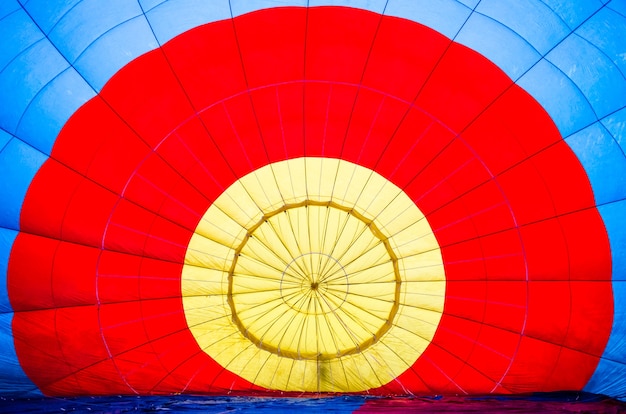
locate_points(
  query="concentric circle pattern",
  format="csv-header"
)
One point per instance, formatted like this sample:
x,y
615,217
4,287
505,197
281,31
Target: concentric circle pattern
x,y
312,290
311,294
388,198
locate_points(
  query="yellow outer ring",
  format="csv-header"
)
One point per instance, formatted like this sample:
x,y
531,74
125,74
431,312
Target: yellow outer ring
x,y
417,262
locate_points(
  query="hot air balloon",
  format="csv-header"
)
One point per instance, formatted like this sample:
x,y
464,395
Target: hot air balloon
x,y
388,197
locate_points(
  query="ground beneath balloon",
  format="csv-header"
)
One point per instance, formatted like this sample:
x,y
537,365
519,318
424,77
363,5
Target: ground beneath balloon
x,y
543,403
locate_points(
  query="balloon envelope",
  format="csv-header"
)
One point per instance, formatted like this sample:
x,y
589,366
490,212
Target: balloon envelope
x,y
388,197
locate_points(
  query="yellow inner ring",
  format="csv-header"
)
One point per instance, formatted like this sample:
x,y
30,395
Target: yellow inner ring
x,y
314,290
395,290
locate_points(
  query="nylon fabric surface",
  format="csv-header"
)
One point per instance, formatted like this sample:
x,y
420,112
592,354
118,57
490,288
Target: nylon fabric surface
x,y
300,183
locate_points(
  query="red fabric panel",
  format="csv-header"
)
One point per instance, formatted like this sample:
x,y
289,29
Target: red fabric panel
x,y
169,105
457,337
435,369
311,121
233,145
522,138
72,275
215,73
280,35
167,241
159,279
278,112
566,375
590,317
463,261
582,230
330,38
488,208
53,181
113,168
546,252
78,149
569,187
533,365
122,327
81,340
473,381
118,277
29,280
505,258
173,353
70,347
410,67
161,189
416,142
85,220
506,304
466,299
48,273
45,352
362,144
527,193
332,119
453,216
128,228
192,152
239,124
491,356
184,205
548,298
442,172
457,93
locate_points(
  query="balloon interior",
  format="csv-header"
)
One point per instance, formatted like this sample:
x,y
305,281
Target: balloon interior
x,y
321,197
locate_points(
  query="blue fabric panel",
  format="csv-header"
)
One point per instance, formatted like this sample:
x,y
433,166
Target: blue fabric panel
x,y
7,237
24,77
13,381
17,33
612,365
600,383
5,137
616,125
616,348
376,6
173,17
91,19
531,19
19,162
469,3
48,13
607,31
114,49
446,16
499,44
239,7
618,6
593,73
573,13
51,108
148,5
599,152
551,88
7,7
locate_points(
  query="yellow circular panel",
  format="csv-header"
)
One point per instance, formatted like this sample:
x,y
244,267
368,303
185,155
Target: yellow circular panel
x,y
314,274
